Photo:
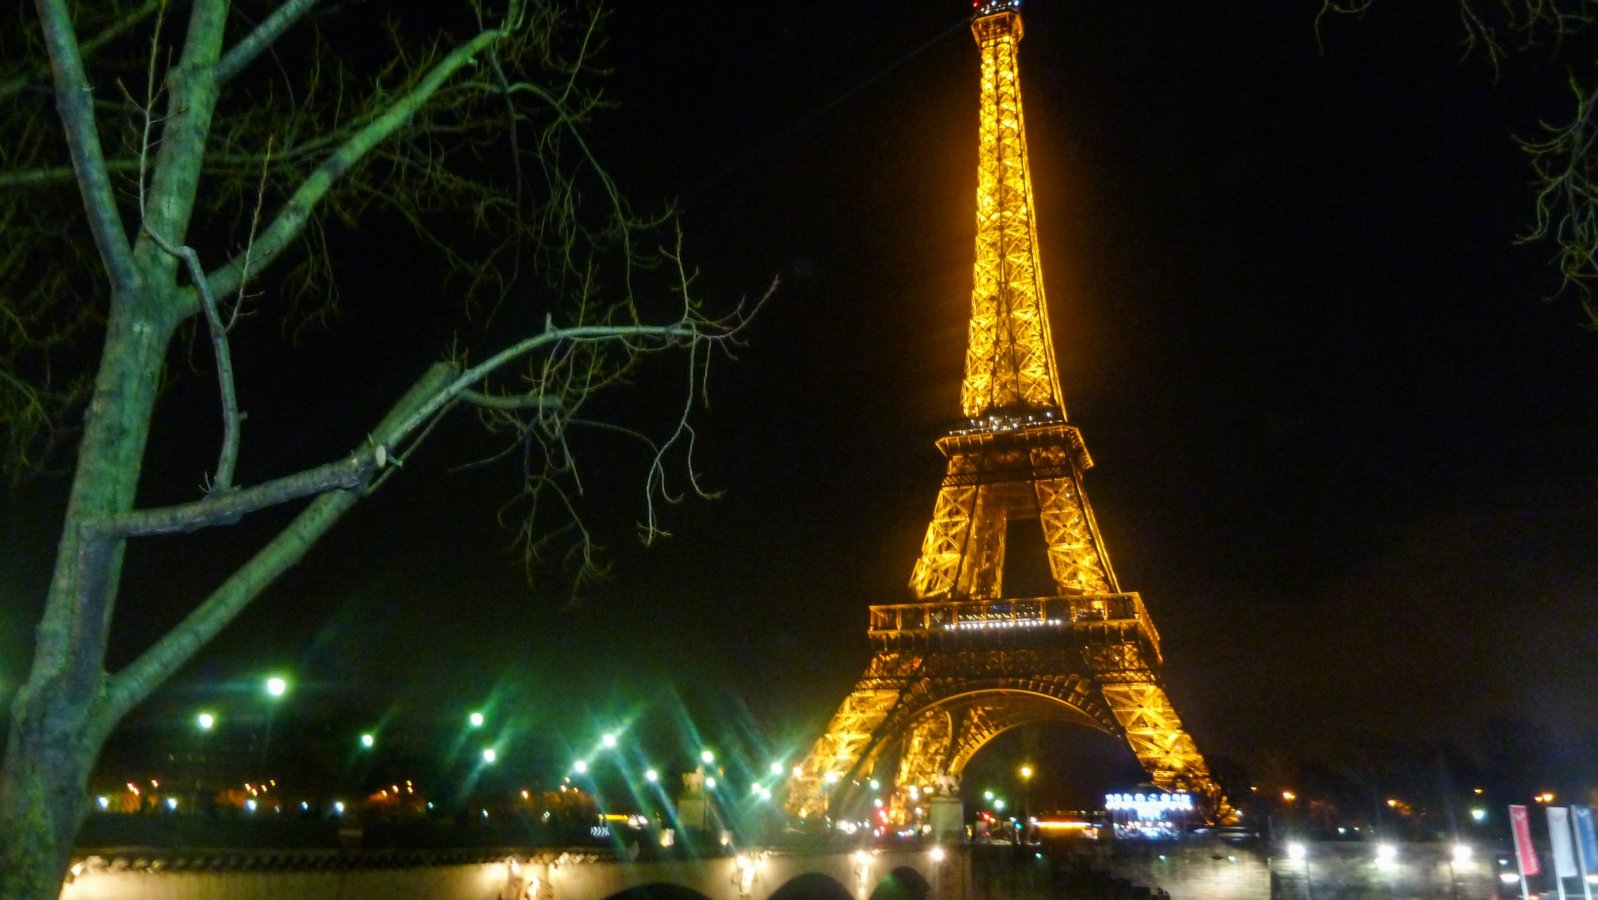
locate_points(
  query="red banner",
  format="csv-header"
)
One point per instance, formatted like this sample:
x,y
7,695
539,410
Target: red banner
x,y
1525,853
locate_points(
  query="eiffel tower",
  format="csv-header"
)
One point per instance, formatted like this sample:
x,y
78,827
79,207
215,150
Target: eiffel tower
x,y
968,661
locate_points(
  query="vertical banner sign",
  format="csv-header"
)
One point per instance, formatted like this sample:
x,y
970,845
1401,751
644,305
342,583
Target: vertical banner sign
x,y
1525,853
1559,841
1586,837
1586,846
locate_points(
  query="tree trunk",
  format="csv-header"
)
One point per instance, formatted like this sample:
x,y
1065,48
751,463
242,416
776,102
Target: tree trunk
x,y
58,718
43,793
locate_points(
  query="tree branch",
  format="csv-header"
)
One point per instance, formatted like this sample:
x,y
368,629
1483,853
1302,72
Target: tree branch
x,y
229,455
244,52
74,102
291,220
19,83
227,507
130,686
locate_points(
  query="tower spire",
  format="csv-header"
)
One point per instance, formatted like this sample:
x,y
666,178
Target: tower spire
x,y
1009,365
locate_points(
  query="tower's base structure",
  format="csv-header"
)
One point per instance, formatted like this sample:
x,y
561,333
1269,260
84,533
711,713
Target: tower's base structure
x,y
966,662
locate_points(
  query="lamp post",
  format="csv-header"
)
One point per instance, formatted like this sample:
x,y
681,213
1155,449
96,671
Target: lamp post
x,y
275,687
1026,799
203,723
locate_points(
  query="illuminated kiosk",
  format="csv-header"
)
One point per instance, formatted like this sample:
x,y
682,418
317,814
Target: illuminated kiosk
x,y
1152,816
693,806
970,656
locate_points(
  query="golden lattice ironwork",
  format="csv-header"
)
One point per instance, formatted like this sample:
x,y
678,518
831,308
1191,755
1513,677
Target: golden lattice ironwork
x,y
967,661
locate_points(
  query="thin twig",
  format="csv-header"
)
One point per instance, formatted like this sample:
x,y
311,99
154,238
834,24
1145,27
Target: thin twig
x,y
229,455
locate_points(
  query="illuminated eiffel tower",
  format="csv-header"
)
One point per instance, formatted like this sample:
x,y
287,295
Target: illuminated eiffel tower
x,y
967,661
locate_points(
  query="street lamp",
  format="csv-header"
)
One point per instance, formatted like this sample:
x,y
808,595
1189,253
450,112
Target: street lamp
x,y
475,719
368,741
1026,797
205,721
275,687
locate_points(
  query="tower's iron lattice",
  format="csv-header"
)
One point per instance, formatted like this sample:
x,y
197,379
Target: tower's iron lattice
x,y
966,661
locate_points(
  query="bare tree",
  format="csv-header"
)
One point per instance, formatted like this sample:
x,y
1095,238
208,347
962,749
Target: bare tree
x,y
1563,158
173,173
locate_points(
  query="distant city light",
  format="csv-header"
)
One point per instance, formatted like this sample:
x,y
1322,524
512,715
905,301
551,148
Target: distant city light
x,y
776,768
710,783
1296,851
1461,854
277,686
609,741
368,740
580,767
475,719
1477,814
171,803
490,755
205,720
651,776
707,757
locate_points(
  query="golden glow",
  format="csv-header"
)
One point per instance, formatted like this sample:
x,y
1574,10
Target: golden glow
x,y
968,661
1059,825
1010,356
1289,796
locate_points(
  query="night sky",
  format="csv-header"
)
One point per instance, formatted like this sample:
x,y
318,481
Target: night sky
x,y
1344,449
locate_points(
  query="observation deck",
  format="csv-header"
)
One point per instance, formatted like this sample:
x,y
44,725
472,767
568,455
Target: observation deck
x,y
1097,618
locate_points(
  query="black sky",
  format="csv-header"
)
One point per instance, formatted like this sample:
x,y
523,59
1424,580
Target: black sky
x,y
1344,450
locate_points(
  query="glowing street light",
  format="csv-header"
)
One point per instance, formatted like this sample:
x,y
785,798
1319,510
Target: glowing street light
x,y
205,721
276,686
368,740
490,755
707,757
475,719
580,767
776,768
608,741
651,776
